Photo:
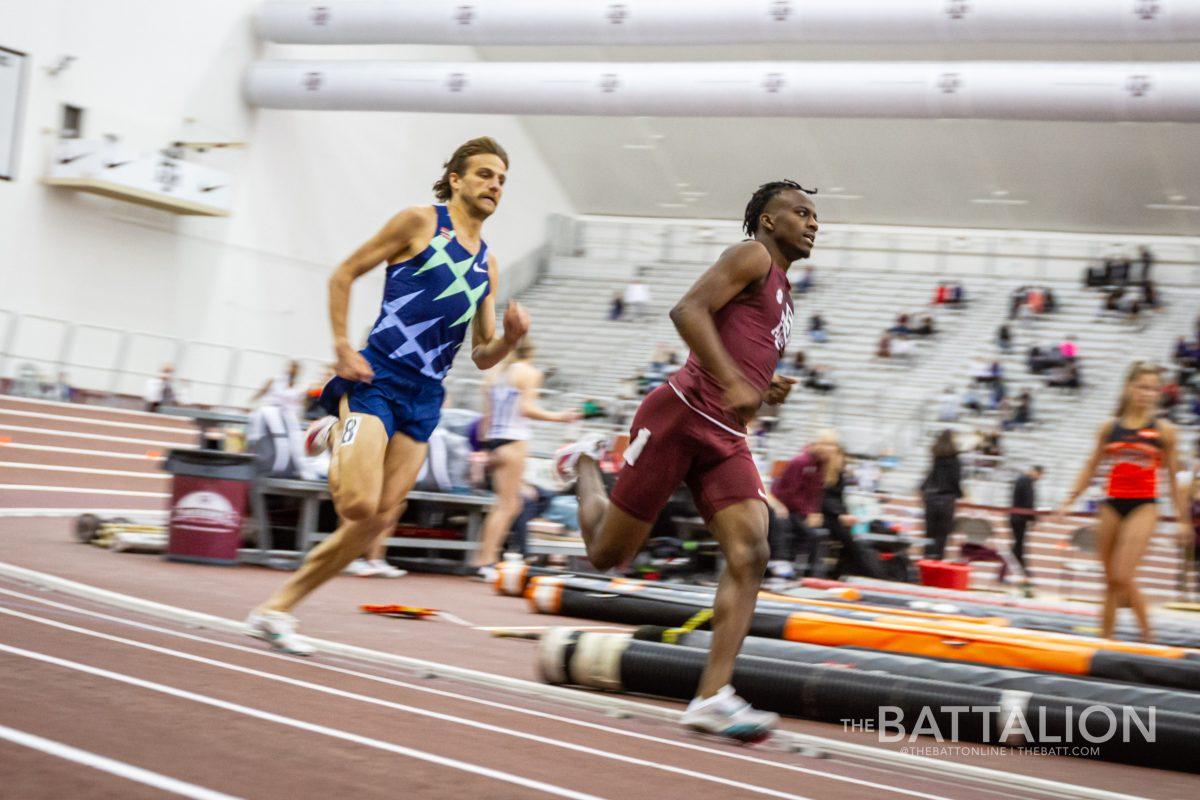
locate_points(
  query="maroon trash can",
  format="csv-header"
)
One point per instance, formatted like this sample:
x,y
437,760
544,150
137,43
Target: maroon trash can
x,y
209,496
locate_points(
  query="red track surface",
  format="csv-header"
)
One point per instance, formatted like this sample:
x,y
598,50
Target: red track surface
x,y
396,720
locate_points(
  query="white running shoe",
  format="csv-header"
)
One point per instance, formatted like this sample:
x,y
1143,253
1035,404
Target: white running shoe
x,y
316,439
385,570
360,568
566,458
486,573
726,714
278,630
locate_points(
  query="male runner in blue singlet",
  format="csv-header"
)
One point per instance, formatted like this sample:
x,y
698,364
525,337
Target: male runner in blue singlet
x,y
388,397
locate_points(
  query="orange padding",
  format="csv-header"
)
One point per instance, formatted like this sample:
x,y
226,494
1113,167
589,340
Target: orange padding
x,y
879,611
544,593
1023,634
969,645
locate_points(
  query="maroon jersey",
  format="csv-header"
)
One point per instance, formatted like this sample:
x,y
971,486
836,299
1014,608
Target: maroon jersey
x,y
754,328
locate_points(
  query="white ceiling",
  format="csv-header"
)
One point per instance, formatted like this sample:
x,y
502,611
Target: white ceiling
x,y
1074,176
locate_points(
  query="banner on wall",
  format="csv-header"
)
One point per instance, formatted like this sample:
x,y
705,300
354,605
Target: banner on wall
x,y
12,99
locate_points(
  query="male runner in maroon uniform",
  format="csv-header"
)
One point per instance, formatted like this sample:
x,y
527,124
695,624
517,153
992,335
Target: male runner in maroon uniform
x,y
736,319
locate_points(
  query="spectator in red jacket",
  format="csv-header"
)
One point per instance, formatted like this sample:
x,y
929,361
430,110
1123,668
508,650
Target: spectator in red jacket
x,y
795,502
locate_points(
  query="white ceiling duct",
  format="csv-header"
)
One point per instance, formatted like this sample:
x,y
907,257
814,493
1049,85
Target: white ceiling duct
x,y
1088,91
612,22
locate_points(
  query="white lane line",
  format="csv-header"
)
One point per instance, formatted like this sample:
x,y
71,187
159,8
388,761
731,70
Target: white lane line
x,y
96,437
16,412
77,451
122,492
422,712
111,766
124,473
480,701
333,733
548,627
457,620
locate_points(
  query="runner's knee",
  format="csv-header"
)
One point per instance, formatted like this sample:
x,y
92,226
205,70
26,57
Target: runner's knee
x,y
748,556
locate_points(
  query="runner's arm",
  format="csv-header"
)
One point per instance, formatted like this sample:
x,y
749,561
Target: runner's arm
x,y
528,382
737,268
394,239
488,349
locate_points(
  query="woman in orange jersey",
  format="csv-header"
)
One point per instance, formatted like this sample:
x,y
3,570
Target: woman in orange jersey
x,y
1134,447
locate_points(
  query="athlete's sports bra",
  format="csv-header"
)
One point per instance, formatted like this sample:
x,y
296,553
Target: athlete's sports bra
x,y
1136,457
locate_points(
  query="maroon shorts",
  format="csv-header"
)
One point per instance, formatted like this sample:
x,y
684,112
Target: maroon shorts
x,y
682,446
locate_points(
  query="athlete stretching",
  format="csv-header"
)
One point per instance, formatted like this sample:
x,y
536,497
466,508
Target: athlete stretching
x,y
388,397
736,319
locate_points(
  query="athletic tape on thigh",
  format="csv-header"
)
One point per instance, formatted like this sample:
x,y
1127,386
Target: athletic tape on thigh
x,y
671,635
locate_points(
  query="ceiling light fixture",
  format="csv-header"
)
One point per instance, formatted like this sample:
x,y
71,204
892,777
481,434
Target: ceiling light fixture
x,y
637,146
998,201
837,188
1177,198
827,196
693,194
1171,207
672,205
1000,193
682,185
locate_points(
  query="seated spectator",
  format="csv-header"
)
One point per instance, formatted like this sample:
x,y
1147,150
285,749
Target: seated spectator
x,y
989,444
1183,351
61,389
957,295
1019,413
1015,301
1035,300
999,392
1050,302
1066,376
1170,397
973,400
1146,259
806,281
884,348
1004,338
996,371
1068,348
616,309
819,380
926,328
901,327
798,367
816,328
948,405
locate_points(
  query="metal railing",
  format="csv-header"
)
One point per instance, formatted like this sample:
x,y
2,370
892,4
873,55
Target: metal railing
x,y
112,361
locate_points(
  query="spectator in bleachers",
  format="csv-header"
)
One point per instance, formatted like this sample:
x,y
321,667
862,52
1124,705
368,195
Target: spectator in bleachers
x,y
637,299
1149,295
1068,348
1050,301
884,348
1035,300
948,407
1004,338
162,391
903,347
957,295
926,327
616,308
797,367
901,327
816,328
1146,258
1183,353
999,392
940,490
805,282
941,295
1169,400
972,400
819,380
1067,376
284,392
980,371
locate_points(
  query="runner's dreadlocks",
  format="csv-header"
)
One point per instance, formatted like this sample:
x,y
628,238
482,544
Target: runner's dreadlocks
x,y
762,195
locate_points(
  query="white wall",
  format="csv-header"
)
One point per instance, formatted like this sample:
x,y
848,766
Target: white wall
x,y
308,189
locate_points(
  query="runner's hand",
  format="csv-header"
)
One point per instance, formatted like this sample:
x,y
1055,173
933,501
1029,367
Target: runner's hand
x,y
781,386
352,366
516,322
742,399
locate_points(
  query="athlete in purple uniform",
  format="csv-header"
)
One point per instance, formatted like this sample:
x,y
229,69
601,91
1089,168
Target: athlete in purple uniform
x,y
736,319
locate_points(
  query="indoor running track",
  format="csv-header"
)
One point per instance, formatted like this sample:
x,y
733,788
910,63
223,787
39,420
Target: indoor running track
x,y
102,702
